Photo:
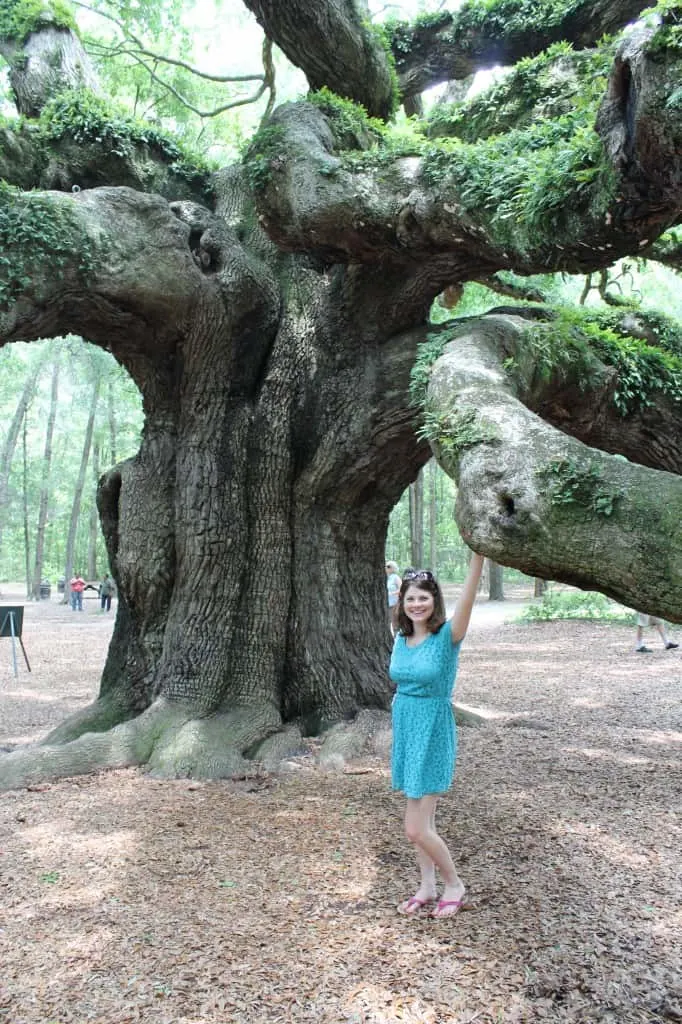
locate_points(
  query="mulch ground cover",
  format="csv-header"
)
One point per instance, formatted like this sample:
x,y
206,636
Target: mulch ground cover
x,y
124,898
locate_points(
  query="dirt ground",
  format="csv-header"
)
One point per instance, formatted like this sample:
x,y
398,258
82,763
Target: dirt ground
x,y
123,898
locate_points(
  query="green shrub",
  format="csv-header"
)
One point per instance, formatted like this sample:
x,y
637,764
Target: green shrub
x,y
570,604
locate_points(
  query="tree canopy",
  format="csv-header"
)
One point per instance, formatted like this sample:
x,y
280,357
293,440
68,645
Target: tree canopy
x,y
274,313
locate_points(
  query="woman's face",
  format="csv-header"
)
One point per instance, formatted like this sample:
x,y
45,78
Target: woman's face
x,y
418,604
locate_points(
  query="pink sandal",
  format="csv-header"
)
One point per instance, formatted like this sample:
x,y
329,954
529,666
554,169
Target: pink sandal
x,y
444,904
411,906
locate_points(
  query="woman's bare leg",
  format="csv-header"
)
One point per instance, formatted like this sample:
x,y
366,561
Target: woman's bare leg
x,y
432,853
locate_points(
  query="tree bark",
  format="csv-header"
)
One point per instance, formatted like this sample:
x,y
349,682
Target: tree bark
x,y
51,60
332,42
455,46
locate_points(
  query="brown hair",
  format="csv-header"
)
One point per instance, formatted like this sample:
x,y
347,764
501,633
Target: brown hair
x,y
437,617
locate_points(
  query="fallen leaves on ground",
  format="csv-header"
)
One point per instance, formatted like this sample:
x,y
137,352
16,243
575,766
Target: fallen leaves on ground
x,y
129,899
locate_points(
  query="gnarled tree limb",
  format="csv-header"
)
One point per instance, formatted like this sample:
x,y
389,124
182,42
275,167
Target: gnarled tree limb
x,y
533,498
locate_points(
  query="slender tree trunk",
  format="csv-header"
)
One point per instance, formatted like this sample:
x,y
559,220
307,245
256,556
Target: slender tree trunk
x,y
8,448
93,534
27,535
540,587
433,516
495,581
45,482
78,493
417,521
113,434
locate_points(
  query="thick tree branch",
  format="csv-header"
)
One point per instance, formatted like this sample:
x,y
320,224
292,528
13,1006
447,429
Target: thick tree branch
x,y
558,201
90,162
333,43
112,265
531,497
444,47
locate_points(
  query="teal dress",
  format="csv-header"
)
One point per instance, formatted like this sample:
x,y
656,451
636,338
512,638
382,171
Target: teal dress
x,y
424,734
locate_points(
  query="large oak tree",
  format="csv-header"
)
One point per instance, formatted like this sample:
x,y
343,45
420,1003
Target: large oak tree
x,y
271,314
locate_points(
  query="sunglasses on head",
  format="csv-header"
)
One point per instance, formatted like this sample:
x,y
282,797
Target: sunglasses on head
x,y
419,575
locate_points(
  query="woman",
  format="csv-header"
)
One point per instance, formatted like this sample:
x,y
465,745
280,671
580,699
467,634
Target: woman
x,y
423,666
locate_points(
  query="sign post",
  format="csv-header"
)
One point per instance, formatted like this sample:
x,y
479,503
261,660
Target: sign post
x,y
11,624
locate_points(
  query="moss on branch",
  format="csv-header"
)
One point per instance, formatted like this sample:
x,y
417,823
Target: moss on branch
x,y
19,18
571,482
575,343
541,87
87,118
38,238
264,155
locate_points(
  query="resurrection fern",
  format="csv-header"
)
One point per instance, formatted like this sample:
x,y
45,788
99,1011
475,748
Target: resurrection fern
x,y
86,118
36,234
644,370
571,483
427,354
456,430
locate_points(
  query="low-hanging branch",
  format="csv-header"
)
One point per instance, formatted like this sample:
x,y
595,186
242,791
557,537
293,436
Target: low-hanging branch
x,y
532,497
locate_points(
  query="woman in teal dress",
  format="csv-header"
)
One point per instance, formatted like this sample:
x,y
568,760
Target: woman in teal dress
x,y
423,667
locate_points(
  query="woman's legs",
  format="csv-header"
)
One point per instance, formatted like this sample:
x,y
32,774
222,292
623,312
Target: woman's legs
x,y
432,853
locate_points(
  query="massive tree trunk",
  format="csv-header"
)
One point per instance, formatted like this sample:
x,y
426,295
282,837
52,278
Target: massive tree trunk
x,y
246,537
272,339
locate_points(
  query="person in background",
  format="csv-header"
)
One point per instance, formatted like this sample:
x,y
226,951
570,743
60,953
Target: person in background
x,y
643,621
393,582
107,588
423,667
77,586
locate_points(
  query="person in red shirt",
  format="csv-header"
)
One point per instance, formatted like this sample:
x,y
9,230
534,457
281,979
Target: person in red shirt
x,y
77,585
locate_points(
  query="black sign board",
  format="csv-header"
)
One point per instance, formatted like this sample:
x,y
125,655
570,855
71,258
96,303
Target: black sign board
x,y
11,624
11,619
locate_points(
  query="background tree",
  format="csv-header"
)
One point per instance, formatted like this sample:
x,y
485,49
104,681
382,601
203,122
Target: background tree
x,y
45,480
272,314
56,426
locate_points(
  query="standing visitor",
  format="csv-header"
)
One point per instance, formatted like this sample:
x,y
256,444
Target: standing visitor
x,y
77,586
651,620
106,592
423,667
393,582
